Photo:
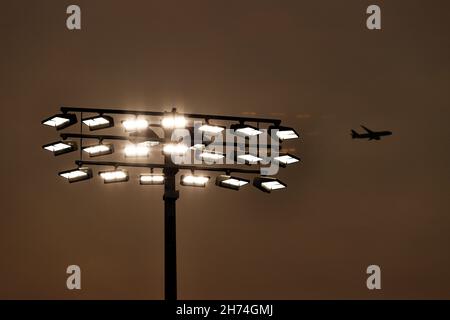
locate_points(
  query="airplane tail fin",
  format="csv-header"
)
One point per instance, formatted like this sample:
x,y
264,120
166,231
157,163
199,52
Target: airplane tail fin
x,y
354,134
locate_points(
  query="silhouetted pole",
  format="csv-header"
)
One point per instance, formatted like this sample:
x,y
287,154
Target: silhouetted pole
x,y
170,237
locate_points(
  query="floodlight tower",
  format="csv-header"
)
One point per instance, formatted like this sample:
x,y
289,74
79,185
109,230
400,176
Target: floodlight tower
x,y
142,143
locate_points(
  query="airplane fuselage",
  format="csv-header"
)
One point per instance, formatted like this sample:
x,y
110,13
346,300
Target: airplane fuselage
x,y
374,136
370,135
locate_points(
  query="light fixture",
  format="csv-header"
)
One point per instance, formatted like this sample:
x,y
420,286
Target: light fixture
x,y
227,181
61,147
284,159
173,122
198,146
145,135
60,121
99,122
147,141
135,124
137,150
284,133
209,155
203,134
78,174
150,143
172,148
249,158
99,149
112,176
194,180
151,179
211,129
245,130
267,184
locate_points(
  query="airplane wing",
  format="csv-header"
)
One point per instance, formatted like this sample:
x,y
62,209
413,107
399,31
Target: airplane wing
x,y
368,130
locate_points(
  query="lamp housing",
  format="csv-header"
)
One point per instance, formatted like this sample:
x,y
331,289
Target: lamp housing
x,y
194,180
211,129
172,121
151,179
137,124
175,148
137,150
100,149
60,121
285,159
284,133
98,122
77,174
245,130
61,147
268,184
114,176
247,158
230,182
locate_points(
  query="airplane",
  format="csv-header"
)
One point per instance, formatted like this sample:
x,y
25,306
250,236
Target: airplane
x,y
371,135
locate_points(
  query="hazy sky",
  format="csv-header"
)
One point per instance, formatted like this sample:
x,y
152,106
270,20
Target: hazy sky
x,y
314,65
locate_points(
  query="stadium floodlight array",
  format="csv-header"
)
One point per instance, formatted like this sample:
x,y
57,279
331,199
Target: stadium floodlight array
x,y
142,141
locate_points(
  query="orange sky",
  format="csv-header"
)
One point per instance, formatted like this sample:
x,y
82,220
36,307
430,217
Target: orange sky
x,y
315,65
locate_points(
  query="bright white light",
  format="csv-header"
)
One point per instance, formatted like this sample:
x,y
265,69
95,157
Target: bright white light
x,y
211,156
248,131
272,185
170,122
211,129
286,159
114,176
195,180
135,124
235,182
230,182
151,178
74,174
286,134
58,147
198,146
94,122
150,143
249,158
100,148
56,121
137,150
175,148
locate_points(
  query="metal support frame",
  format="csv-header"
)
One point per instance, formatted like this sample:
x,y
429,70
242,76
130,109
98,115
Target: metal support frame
x,y
163,166
162,114
170,229
170,171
